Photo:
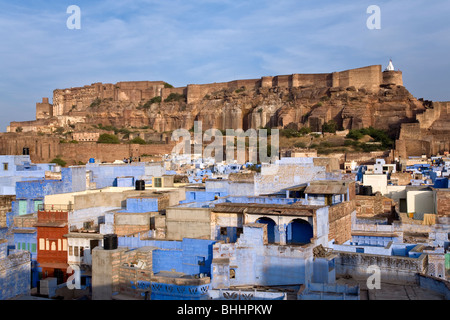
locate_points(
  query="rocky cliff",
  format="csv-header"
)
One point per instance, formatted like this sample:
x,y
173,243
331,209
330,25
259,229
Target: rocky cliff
x,y
244,108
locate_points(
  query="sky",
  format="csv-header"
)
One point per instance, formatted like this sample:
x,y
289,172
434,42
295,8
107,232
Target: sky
x,y
204,41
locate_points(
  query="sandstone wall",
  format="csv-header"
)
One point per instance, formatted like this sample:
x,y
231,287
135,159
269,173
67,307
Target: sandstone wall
x,y
44,109
110,152
340,221
372,206
79,98
393,77
43,149
368,77
443,202
5,206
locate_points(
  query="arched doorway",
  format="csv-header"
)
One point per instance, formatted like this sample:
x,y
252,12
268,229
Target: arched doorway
x,y
270,228
299,231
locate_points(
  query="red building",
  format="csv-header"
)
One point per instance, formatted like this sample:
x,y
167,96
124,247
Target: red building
x,y
52,246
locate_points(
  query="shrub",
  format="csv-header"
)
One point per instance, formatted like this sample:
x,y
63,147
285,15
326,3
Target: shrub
x,y
300,145
290,133
304,130
325,144
175,97
354,134
59,162
377,134
330,126
138,140
95,103
59,130
108,138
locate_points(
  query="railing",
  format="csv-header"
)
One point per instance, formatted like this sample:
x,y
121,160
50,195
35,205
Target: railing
x,y
55,207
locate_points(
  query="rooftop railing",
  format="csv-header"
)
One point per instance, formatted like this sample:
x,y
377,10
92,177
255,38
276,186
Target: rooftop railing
x,y
56,207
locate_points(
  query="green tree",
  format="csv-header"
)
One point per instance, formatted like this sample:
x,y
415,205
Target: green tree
x,y
108,138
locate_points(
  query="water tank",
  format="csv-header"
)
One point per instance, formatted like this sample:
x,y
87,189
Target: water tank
x,y
110,241
91,160
140,185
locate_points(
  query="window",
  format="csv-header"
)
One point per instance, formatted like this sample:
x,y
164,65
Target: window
x,y
239,231
5,166
47,245
53,245
223,231
328,200
70,250
152,223
158,183
33,247
75,251
232,273
41,244
59,244
64,244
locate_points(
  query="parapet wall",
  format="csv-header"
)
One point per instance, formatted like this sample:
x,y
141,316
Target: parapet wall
x,y
369,78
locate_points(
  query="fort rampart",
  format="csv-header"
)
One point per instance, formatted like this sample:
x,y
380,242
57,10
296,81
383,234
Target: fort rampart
x,y
80,98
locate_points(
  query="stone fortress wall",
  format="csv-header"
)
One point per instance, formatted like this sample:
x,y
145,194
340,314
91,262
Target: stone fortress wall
x,y
79,98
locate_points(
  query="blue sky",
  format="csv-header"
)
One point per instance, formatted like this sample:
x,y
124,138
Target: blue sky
x,y
204,41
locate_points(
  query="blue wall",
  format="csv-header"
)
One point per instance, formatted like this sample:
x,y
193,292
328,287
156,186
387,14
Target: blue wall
x,y
200,196
190,256
106,175
38,188
137,205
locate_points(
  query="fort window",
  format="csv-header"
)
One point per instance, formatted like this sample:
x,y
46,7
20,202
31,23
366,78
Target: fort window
x,y
232,273
5,166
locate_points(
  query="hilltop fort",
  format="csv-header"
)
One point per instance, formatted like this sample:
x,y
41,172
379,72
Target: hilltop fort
x,y
353,99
